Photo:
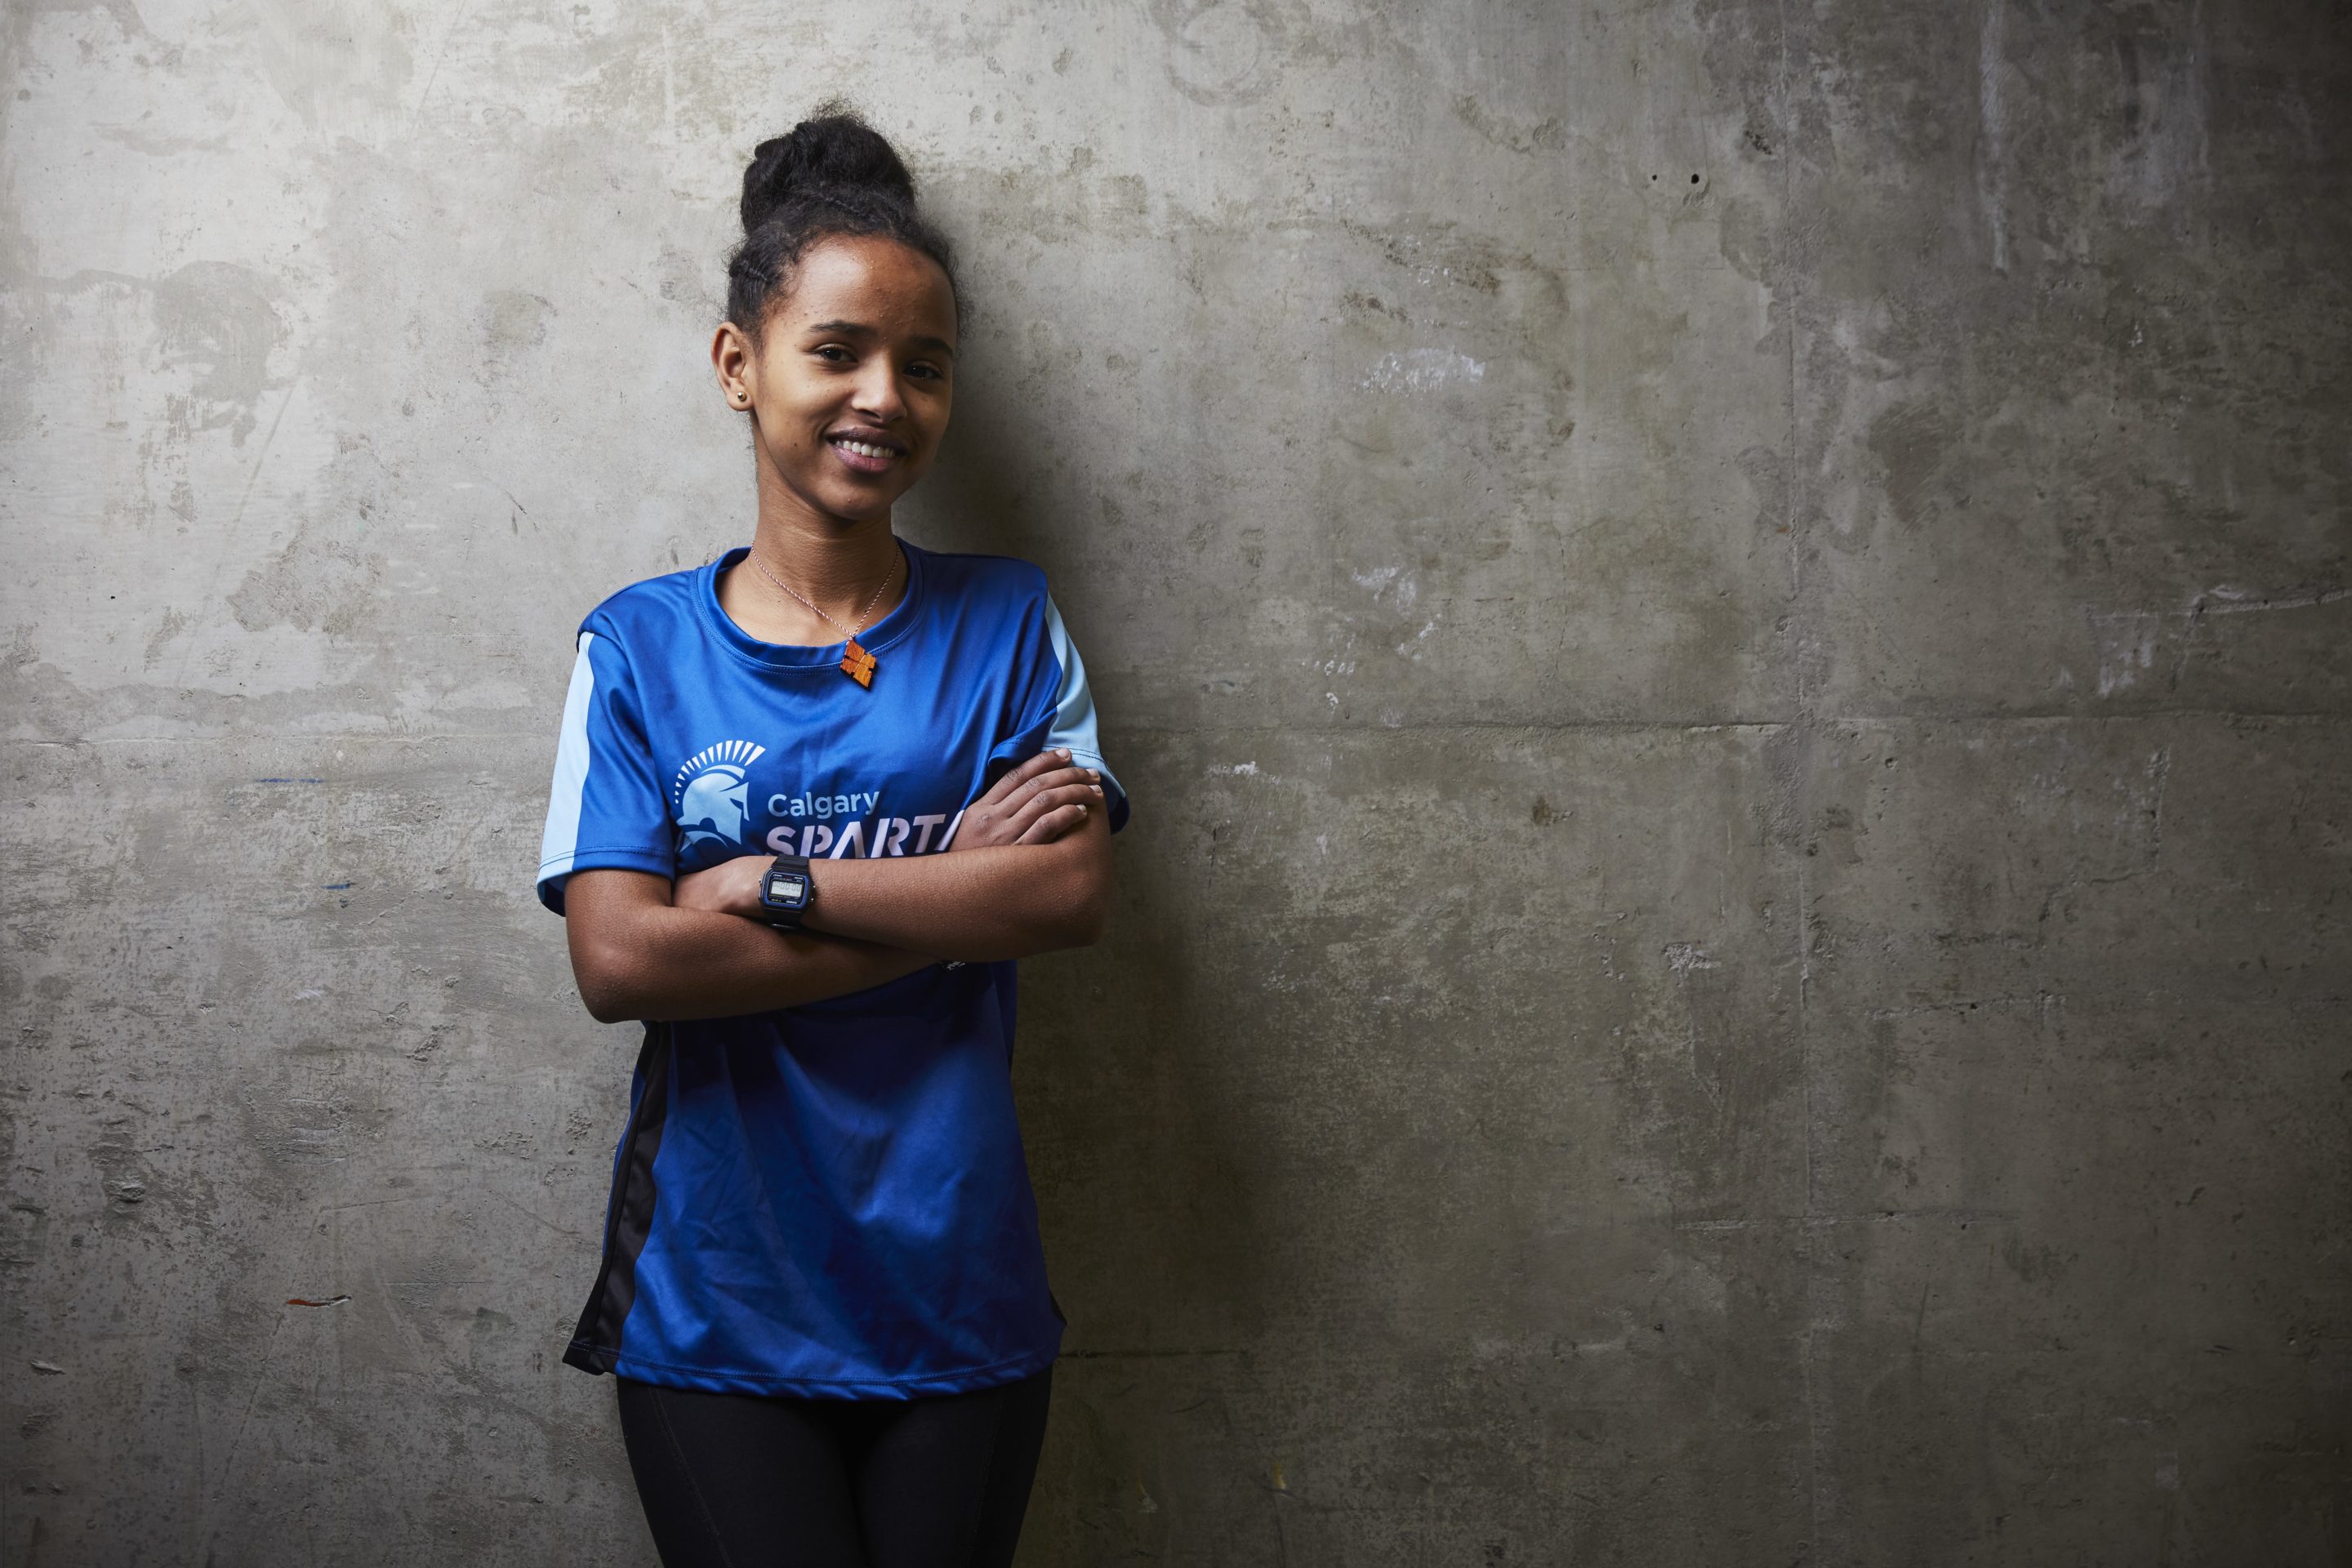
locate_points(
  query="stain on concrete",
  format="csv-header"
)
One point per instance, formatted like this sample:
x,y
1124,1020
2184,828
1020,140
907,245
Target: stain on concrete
x,y
514,323
338,65
314,581
1547,135
1909,440
216,326
1223,52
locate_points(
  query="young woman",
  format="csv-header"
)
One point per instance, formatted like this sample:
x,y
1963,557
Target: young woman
x,y
811,802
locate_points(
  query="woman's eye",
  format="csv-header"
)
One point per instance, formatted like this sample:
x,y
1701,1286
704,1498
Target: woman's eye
x,y
829,351
932,371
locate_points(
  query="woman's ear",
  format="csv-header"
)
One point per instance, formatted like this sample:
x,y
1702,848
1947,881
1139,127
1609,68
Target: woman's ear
x,y
731,358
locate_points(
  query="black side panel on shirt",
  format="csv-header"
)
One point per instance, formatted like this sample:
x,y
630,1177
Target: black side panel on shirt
x,y
596,1343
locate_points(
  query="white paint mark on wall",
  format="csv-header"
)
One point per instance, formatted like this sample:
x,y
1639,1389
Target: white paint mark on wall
x,y
1241,770
1391,583
2125,639
2241,601
2127,645
1992,118
1422,370
1682,957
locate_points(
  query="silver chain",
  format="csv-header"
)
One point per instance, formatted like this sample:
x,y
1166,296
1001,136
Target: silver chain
x,y
847,632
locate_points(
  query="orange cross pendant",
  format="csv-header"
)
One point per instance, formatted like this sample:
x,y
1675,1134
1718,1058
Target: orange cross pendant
x,y
857,664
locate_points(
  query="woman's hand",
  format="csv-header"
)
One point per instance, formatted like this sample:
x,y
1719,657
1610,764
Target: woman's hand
x,y
1036,803
730,887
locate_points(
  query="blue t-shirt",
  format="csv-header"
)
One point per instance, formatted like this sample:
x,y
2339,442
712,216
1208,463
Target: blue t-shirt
x,y
828,1200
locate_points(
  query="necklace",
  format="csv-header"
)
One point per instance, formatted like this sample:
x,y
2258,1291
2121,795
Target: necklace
x,y
855,662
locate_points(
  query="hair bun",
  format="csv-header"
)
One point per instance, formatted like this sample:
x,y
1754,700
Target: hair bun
x,y
832,150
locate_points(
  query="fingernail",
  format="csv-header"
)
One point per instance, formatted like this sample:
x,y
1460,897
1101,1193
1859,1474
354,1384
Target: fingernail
x,y
1063,752
1096,789
1092,774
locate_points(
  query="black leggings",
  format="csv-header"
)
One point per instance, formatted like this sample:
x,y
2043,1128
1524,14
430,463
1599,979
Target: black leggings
x,y
730,1480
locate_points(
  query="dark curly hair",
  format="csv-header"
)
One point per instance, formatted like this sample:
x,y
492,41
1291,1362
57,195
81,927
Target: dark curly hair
x,y
831,174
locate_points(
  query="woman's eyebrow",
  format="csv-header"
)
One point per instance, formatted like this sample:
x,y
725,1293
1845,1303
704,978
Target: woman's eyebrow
x,y
859,329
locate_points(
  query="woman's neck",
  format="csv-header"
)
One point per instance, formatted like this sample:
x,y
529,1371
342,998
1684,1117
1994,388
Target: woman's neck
x,y
838,565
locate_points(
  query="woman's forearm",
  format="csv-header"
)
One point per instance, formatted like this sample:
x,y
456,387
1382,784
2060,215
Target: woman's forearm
x,y
979,905
974,904
649,960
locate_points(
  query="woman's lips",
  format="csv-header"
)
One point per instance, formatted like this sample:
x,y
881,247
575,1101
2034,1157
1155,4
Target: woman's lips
x,y
862,456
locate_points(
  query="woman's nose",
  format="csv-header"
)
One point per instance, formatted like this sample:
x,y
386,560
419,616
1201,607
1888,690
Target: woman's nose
x,y
878,395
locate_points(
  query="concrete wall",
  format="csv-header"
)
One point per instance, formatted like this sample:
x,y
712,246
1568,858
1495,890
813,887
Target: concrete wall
x,y
1729,626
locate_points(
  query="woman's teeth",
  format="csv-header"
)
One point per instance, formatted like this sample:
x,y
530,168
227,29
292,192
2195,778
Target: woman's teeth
x,y
862,451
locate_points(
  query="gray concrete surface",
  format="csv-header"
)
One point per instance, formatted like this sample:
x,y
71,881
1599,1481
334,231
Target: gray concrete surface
x,y
1729,627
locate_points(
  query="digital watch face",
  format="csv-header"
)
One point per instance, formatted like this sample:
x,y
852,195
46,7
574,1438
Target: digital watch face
x,y
787,888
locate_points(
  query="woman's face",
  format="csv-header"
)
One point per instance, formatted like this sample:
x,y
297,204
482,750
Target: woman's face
x,y
850,385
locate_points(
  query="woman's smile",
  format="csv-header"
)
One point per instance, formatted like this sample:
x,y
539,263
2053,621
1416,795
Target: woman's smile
x,y
865,452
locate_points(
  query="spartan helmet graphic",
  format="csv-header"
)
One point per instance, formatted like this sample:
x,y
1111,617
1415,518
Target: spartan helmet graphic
x,y
711,794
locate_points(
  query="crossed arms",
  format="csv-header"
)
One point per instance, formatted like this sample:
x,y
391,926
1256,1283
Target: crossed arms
x,y
1029,871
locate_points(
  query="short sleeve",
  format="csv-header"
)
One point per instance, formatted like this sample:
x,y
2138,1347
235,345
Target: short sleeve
x,y
1072,724
604,808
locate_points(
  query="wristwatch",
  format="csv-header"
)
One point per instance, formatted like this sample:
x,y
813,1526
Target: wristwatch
x,y
786,890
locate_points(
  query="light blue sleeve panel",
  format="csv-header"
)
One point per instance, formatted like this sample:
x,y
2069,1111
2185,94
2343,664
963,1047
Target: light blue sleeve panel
x,y
1073,723
604,808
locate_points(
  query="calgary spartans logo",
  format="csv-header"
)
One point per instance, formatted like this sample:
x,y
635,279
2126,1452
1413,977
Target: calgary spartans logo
x,y
711,798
